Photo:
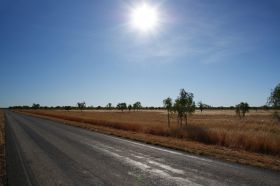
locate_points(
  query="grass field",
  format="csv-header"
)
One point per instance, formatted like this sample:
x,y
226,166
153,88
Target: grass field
x,y
213,131
2,150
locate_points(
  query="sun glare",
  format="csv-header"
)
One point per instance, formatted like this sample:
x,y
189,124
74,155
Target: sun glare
x,y
144,18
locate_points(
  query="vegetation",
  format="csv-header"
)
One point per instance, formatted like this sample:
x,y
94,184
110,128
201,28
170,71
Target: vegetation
x,y
35,106
201,106
274,98
168,105
137,105
109,106
67,107
129,107
241,109
81,105
184,105
121,106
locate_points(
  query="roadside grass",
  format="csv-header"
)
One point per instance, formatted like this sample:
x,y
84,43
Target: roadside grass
x,y
2,150
254,140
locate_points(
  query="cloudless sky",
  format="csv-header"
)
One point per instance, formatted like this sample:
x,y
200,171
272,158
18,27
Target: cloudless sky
x,y
59,52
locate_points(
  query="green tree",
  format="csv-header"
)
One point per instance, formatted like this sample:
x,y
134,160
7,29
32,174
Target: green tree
x,y
81,105
274,98
129,107
237,110
67,108
109,106
184,105
168,105
137,105
201,106
242,108
121,106
35,106
179,110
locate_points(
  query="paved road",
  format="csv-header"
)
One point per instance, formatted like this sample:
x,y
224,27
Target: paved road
x,y
43,152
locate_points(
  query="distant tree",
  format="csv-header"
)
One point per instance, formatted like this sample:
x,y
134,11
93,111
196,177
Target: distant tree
x,y
242,108
177,107
35,106
129,107
20,107
265,107
121,106
109,106
168,105
81,105
201,106
237,110
274,98
25,107
184,105
137,105
67,108
91,107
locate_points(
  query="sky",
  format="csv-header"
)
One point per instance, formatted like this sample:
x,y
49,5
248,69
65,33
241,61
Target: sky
x,y
60,52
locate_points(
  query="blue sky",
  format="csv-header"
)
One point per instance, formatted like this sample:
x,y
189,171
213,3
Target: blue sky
x,y
59,52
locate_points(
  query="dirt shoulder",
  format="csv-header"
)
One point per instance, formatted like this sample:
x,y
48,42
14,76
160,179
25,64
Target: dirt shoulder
x,y
218,152
3,178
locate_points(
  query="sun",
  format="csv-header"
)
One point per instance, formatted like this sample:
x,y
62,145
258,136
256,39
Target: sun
x,y
144,18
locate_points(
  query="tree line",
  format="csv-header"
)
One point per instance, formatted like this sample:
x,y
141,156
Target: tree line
x,y
183,106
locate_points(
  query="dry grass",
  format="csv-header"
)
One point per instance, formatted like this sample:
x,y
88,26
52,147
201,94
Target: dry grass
x,y
2,150
257,133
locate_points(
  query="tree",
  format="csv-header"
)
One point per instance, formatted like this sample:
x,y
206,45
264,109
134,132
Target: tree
x,y
201,106
265,107
184,105
237,110
168,105
67,108
178,108
122,106
129,107
81,105
109,106
35,106
242,108
274,98
137,105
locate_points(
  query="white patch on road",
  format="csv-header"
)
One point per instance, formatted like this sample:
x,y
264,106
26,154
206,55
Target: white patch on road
x,y
165,150
166,167
147,168
139,157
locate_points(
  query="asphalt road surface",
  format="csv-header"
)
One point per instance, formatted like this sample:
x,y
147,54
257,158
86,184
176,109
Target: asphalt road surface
x,y
44,152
